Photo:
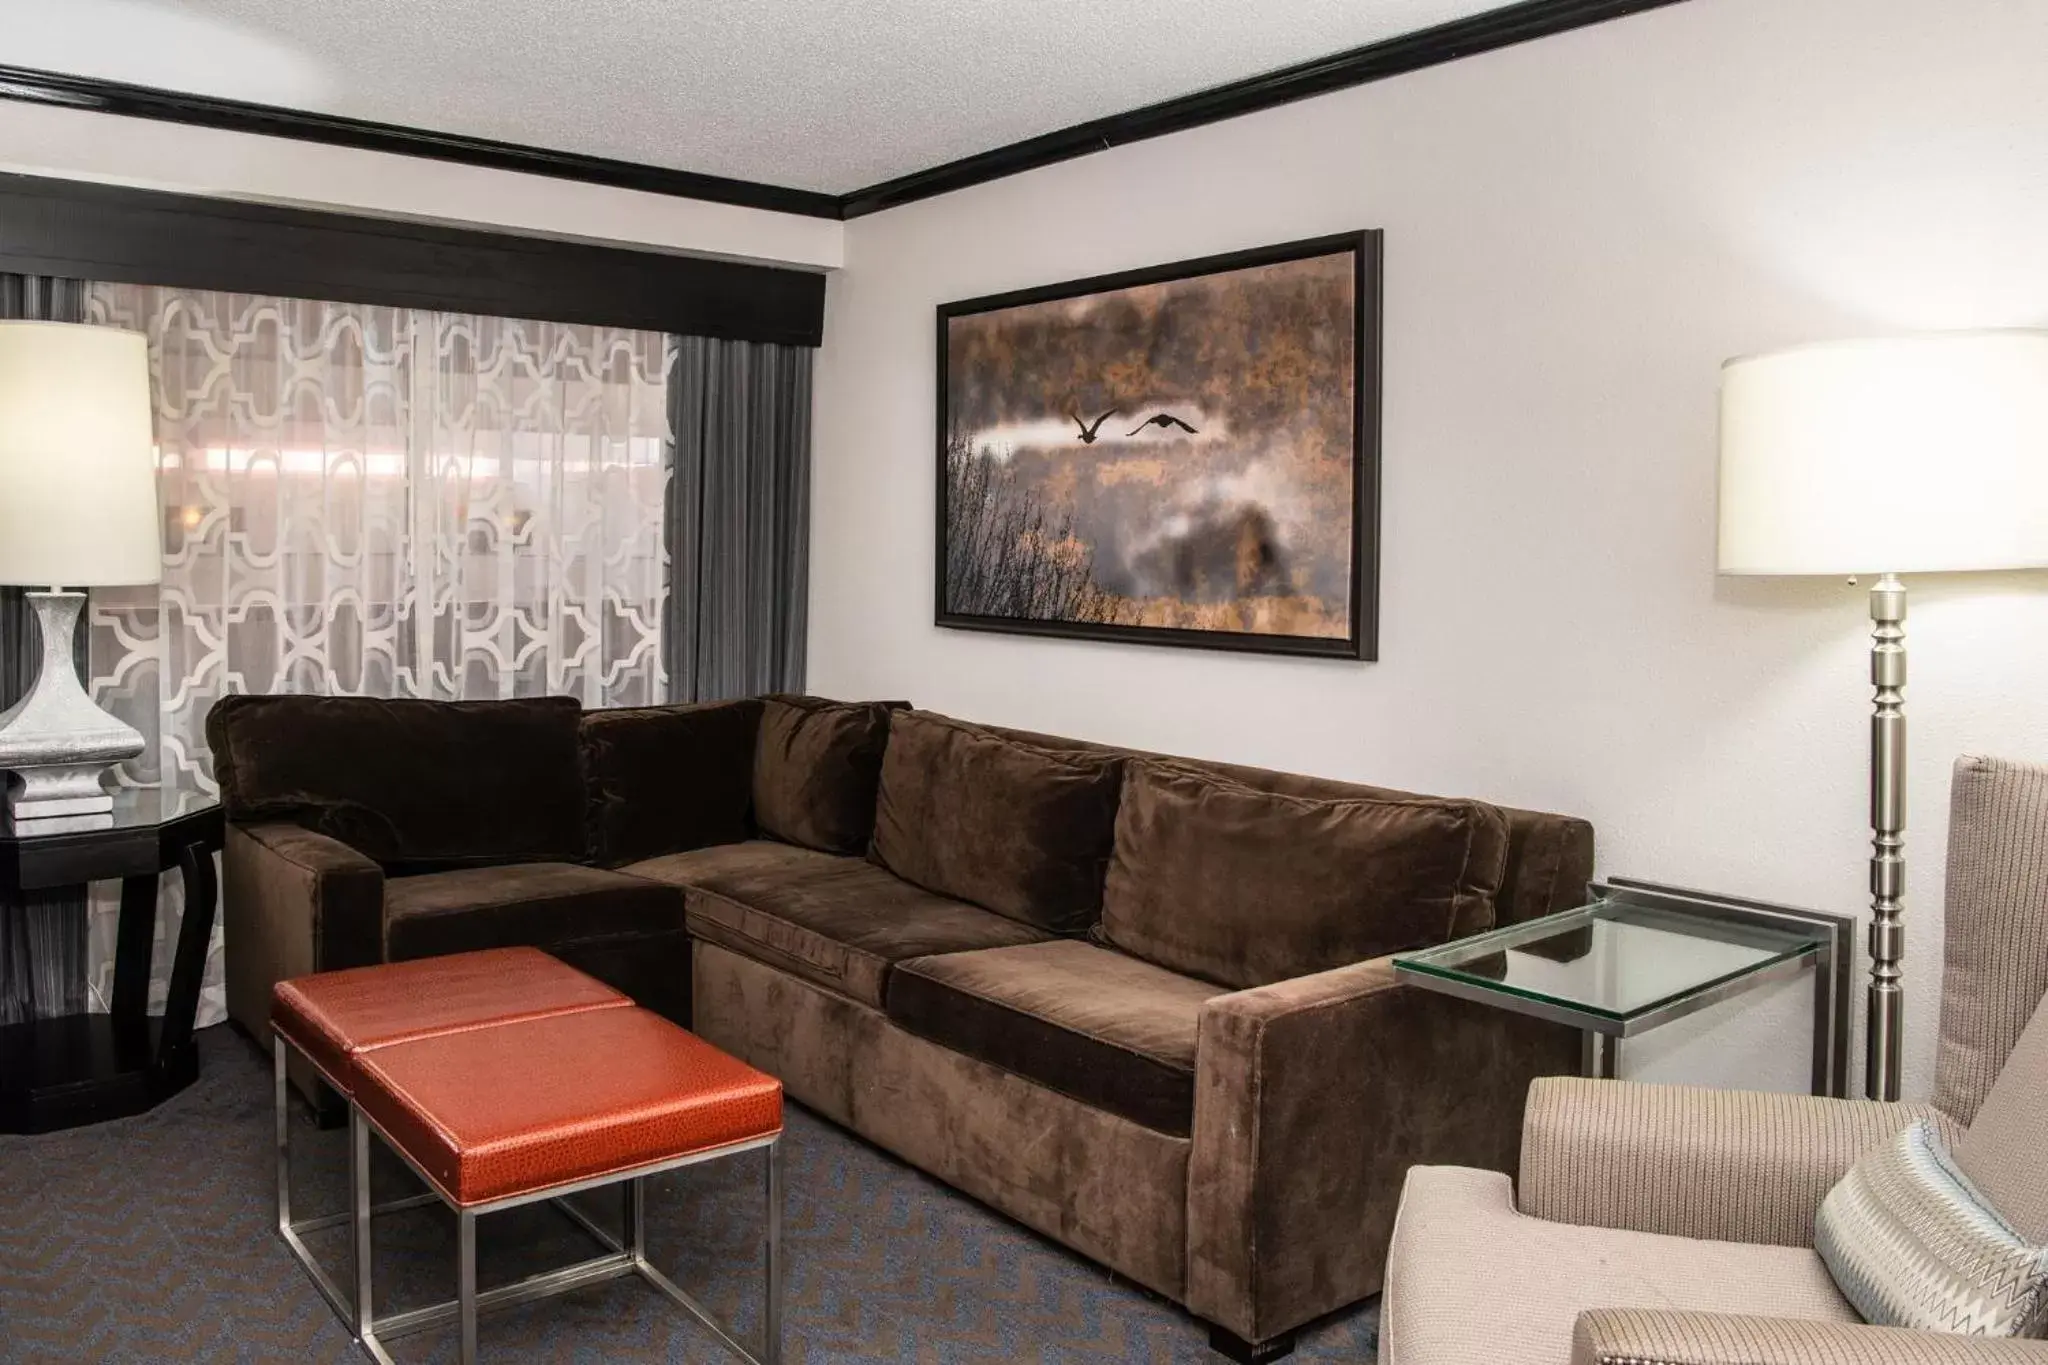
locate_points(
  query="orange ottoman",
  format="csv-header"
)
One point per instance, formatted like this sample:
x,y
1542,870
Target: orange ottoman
x,y
504,1083
331,1016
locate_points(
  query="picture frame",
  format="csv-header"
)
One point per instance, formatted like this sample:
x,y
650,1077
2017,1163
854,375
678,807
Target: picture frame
x,y
1240,513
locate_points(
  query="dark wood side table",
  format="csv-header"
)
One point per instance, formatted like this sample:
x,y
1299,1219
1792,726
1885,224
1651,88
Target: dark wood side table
x,y
83,1068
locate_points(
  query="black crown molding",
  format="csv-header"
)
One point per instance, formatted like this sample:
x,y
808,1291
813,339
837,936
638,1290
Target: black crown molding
x,y
1360,66
239,116
1487,32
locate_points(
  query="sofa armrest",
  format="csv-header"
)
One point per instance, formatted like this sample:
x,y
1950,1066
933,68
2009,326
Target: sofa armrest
x,y
1725,1165
1312,1098
292,902
1633,1336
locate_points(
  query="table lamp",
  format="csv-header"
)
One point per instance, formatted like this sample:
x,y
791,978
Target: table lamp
x,y
1921,454
78,508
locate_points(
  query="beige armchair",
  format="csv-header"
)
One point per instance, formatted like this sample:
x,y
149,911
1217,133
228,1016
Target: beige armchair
x,y
1665,1225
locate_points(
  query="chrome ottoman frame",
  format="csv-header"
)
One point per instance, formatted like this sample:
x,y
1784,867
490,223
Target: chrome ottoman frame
x,y
625,1256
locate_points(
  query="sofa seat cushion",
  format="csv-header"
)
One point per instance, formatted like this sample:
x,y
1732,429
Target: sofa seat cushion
x,y
839,922
1471,1279
545,905
749,857
1089,1022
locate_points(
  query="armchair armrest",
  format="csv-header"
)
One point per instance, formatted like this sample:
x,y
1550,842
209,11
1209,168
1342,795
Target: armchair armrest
x,y
1631,1336
1725,1165
1312,1098
292,902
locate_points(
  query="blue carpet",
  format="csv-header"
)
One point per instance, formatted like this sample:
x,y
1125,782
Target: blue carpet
x,y
152,1239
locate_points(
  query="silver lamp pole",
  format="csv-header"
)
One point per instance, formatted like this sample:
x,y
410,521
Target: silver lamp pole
x,y
1914,454
1885,1024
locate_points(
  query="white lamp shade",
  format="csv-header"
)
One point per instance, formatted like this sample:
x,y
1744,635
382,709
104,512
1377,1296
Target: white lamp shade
x,y
78,500
1916,454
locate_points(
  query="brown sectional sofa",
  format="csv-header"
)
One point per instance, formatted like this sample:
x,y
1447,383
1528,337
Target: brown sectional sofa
x,y
1141,1004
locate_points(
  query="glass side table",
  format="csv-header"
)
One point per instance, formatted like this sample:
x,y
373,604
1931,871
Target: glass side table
x,y
1640,955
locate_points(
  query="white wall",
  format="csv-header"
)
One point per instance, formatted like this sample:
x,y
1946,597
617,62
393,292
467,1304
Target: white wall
x,y
79,144
1578,232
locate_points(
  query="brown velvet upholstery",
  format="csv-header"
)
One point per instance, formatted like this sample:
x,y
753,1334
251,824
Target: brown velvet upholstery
x,y
626,931
1088,1022
754,857
1312,1099
665,778
1111,1189
416,785
1549,861
816,766
1013,827
544,904
1333,881
293,902
839,922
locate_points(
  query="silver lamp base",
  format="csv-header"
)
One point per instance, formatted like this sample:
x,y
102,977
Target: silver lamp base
x,y
57,743
1884,1035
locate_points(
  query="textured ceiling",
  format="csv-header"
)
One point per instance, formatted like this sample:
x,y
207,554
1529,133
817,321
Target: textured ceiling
x,y
827,95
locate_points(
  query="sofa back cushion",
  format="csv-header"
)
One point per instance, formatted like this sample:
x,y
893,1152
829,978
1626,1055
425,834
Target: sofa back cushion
x,y
816,766
1217,880
665,779
416,785
1009,826
1550,856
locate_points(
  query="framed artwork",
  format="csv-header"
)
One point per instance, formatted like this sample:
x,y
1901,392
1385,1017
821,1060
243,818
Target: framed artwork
x,y
1185,455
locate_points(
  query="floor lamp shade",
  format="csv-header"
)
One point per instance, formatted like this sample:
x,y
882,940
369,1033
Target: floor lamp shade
x,y
78,500
1910,455
1924,454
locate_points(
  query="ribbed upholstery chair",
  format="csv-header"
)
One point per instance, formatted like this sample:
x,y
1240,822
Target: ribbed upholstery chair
x,y
1666,1225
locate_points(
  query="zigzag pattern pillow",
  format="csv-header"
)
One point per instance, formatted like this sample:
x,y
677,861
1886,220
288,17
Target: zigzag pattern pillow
x,y
1911,1243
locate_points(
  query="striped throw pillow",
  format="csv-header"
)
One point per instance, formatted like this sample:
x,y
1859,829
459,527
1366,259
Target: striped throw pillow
x,y
1911,1243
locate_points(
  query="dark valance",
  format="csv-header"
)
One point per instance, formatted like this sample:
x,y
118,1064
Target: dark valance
x,y
89,231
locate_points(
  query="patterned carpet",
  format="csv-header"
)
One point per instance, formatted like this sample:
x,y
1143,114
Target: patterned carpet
x,y
151,1239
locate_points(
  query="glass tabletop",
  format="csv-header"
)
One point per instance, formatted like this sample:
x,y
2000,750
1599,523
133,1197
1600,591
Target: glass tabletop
x,y
1613,960
134,808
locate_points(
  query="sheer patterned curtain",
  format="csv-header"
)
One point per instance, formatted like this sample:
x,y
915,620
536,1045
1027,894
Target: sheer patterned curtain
x,y
382,502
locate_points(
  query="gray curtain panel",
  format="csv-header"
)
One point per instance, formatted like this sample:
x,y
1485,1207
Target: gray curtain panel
x,y
42,934
738,518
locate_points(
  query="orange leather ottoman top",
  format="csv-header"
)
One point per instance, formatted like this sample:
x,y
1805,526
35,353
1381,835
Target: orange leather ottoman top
x,y
333,1016
519,1108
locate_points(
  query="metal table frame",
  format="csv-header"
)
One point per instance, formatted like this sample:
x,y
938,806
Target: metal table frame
x,y
1830,961
623,1256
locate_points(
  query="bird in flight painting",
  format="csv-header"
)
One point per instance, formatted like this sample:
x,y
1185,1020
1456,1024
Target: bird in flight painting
x,y
1164,421
1088,429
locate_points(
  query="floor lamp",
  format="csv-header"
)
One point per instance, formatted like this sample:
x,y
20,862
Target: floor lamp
x,y
1924,454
